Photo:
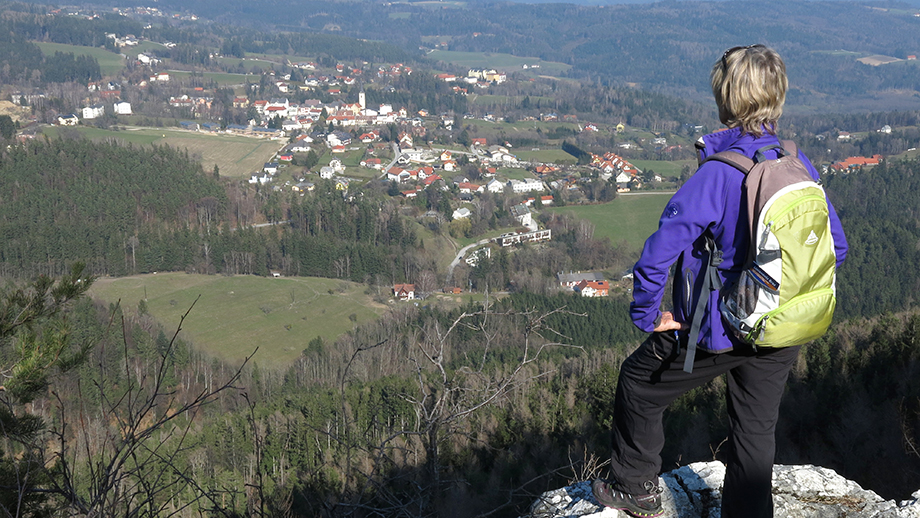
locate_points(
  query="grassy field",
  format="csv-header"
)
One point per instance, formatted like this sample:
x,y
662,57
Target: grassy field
x,y
248,63
133,137
498,61
221,78
234,315
664,168
520,125
630,219
236,157
513,173
549,156
109,62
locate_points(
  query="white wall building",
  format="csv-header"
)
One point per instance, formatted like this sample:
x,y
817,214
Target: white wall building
x,y
122,108
526,185
94,111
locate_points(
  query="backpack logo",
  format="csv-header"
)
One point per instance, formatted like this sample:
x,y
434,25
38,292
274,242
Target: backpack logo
x,y
812,239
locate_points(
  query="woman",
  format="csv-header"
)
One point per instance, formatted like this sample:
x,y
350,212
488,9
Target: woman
x,y
749,84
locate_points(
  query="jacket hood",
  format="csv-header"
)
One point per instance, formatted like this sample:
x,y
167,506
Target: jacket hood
x,y
732,139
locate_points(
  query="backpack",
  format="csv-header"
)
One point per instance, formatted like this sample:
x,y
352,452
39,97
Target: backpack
x,y
785,295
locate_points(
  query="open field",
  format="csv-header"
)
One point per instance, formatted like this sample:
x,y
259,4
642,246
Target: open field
x,y
498,61
235,156
878,59
133,137
234,315
664,168
514,173
221,78
630,218
544,126
109,62
547,156
490,100
248,62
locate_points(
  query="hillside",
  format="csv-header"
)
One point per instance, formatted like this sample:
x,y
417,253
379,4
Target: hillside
x,y
821,41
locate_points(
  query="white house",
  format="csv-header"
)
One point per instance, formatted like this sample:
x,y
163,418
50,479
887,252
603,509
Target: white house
x,y
404,291
326,172
94,111
122,108
68,120
569,280
291,125
522,213
526,185
495,186
461,213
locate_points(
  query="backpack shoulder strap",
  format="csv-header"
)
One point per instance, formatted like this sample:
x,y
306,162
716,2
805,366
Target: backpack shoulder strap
x,y
745,164
734,159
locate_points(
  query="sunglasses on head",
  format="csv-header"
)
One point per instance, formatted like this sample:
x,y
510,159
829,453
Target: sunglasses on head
x,y
734,49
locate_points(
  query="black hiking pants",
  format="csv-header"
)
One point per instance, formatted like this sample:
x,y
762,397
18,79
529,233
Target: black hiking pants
x,y
653,376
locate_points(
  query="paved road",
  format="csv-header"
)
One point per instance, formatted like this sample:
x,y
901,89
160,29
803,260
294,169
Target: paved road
x,y
461,253
644,193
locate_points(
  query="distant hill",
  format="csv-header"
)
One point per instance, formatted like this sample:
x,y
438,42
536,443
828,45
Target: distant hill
x,y
667,47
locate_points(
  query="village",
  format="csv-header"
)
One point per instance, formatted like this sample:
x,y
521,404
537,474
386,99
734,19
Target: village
x,y
395,145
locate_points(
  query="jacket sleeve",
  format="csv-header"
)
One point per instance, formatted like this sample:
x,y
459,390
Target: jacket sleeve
x,y
840,240
696,206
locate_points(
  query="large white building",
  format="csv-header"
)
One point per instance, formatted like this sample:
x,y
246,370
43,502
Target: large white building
x,y
122,108
526,185
94,111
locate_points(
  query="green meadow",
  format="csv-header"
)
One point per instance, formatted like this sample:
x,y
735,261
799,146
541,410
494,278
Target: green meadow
x,y
109,62
229,317
513,173
235,156
221,78
665,168
520,125
628,219
547,156
497,61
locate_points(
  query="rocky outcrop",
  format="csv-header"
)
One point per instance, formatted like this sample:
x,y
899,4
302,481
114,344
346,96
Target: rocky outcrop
x,y
694,491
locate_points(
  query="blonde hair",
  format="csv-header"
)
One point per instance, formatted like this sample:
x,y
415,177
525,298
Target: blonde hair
x,y
749,84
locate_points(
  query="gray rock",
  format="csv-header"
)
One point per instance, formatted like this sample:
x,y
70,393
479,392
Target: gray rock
x,y
695,491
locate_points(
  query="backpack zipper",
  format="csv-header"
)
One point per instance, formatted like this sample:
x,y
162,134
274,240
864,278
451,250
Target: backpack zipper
x,y
796,203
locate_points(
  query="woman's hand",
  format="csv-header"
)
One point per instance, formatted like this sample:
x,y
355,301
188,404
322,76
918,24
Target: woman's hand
x,y
669,324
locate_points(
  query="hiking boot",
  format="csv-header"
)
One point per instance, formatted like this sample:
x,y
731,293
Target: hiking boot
x,y
641,506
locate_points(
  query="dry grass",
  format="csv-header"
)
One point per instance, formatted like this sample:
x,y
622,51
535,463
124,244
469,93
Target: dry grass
x,y
235,315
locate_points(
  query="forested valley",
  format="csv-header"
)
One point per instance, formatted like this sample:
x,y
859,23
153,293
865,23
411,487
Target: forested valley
x,y
427,411
409,415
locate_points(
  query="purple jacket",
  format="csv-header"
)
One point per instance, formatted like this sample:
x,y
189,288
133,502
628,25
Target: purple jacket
x,y
710,199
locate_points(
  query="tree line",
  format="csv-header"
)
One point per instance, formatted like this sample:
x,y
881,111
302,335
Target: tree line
x,y
488,405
